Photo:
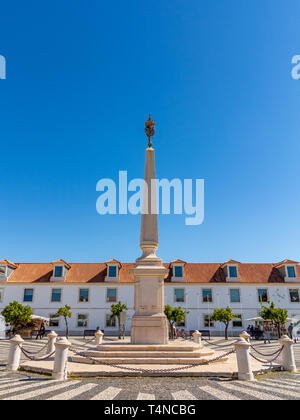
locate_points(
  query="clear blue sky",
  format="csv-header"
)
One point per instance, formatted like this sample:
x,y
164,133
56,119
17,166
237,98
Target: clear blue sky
x,y
81,80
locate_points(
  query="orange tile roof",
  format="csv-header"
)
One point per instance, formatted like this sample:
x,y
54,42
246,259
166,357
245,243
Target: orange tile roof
x,y
194,273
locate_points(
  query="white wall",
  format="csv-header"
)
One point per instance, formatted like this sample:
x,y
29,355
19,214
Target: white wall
x,y
97,307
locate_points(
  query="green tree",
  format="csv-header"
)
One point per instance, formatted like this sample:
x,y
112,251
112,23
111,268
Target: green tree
x,y
65,313
225,316
116,310
276,315
17,315
174,316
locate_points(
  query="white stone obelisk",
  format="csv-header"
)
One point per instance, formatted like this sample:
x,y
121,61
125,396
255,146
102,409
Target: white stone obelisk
x,y
149,323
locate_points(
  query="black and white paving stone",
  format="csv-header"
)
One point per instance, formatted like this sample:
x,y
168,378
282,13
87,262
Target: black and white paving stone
x,y
21,386
27,386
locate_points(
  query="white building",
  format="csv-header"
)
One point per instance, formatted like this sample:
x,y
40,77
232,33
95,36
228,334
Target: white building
x,y
91,288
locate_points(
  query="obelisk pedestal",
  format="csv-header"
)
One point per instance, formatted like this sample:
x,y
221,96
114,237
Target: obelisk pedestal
x,y
149,323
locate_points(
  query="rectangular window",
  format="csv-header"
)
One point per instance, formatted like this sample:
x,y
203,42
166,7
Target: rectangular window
x,y
235,295
83,295
2,271
56,295
58,271
237,322
82,320
262,295
111,295
110,322
232,271
112,271
54,321
181,324
28,295
178,271
294,295
207,322
179,295
206,295
1,294
291,271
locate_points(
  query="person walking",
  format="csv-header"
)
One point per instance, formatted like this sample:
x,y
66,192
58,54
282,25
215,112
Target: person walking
x,y
290,330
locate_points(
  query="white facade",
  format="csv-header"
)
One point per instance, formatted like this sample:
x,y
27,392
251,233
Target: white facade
x,y
97,308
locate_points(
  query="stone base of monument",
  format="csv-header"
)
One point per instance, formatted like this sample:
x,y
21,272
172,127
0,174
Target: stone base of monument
x,y
137,354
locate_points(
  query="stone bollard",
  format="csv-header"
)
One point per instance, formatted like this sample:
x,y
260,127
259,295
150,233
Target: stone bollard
x,y
14,354
52,336
287,355
61,359
99,337
243,360
197,337
245,335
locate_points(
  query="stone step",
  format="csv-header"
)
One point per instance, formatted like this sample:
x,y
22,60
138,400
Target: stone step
x,y
170,354
148,347
147,361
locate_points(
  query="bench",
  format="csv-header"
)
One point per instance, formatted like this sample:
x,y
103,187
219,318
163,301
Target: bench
x,y
204,333
90,333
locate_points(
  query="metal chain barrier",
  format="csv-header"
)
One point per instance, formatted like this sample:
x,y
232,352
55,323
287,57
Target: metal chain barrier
x,y
36,352
219,345
87,343
264,354
47,356
141,370
268,361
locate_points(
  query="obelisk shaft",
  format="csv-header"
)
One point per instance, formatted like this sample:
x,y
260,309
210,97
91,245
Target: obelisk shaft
x,y
149,324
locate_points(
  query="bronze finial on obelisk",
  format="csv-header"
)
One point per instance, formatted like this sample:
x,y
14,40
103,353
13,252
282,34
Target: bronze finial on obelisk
x,y
150,130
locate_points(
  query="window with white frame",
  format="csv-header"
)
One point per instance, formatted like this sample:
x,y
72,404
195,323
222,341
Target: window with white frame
x,y
206,295
232,271
28,295
178,271
262,295
110,322
83,295
58,271
82,320
291,272
235,295
56,295
1,294
112,271
53,320
294,295
111,295
237,321
179,295
2,271
207,322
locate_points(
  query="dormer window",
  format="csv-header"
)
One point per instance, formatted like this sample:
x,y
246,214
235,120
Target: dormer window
x,y
231,271
177,268
291,272
112,271
113,268
60,270
6,269
178,271
288,270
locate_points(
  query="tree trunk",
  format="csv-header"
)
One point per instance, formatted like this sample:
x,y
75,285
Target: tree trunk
x,y
226,331
119,322
67,328
279,331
